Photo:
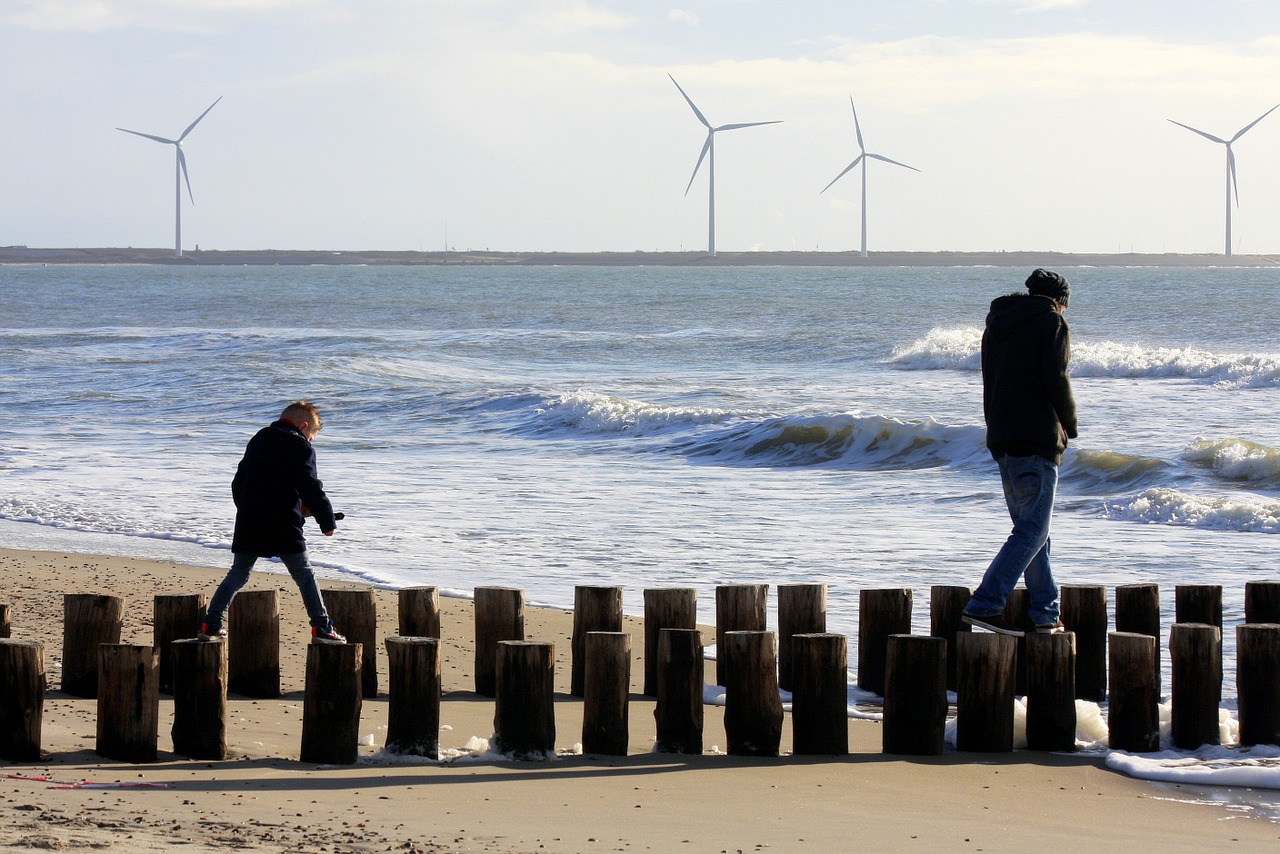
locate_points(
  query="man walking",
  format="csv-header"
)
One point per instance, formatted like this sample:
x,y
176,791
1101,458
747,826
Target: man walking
x,y
276,486
1030,414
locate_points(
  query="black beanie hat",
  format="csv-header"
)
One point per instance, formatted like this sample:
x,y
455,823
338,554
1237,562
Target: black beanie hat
x,y
1047,283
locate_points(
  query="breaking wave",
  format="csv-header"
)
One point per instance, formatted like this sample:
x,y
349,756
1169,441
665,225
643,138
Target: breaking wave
x,y
1164,506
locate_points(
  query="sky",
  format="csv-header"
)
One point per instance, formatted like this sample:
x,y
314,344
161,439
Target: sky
x,y
553,125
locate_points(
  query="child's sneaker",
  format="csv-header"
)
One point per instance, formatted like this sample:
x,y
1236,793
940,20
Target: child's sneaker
x,y
208,634
326,635
995,623
1051,628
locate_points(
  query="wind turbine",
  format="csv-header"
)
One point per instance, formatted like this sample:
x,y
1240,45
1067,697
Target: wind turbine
x,y
863,157
180,175
1231,162
709,147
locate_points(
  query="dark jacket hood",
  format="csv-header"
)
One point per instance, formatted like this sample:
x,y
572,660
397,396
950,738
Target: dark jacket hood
x,y
1010,313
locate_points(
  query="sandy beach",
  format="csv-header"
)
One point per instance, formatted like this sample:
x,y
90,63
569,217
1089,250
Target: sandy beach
x,y
263,798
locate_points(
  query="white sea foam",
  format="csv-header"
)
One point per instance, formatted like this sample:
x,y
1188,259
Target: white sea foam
x,y
956,348
1236,459
1165,506
593,414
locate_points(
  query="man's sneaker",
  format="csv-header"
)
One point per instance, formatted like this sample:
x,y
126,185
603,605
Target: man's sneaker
x,y
327,635
1051,629
208,634
994,623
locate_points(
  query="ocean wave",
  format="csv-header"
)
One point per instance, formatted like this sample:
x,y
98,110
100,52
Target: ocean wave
x,y
591,414
959,348
1089,471
1236,459
68,516
1164,506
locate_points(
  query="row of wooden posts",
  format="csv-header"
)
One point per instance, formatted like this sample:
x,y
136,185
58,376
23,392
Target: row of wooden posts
x,y
912,672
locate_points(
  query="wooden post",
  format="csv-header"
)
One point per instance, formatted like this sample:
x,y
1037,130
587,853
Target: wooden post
x,y
1051,691
331,704
88,620
499,617
665,608
880,613
253,644
1133,718
915,696
21,699
6,626
595,609
820,697
419,612
678,712
174,617
1195,650
1138,610
946,605
355,614
1084,611
1262,601
984,696
752,708
1258,682
524,721
128,702
739,608
199,698
413,704
1198,603
802,609
607,684
1017,610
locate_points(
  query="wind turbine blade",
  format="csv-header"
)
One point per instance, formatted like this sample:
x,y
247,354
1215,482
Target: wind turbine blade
x,y
857,127
696,111
1207,136
855,162
1231,169
748,125
884,159
150,136
197,121
182,162
1247,127
706,146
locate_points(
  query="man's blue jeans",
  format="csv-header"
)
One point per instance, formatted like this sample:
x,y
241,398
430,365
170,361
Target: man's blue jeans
x,y
1029,487
241,563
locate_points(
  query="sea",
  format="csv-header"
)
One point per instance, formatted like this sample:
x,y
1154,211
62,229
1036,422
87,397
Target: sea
x,y
646,426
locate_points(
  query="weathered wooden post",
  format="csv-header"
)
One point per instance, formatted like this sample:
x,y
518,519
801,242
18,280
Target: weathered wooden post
x,y
915,696
678,712
21,699
1133,719
1258,682
880,613
1051,691
174,617
1017,610
739,608
128,702
820,695
1138,610
802,609
595,609
984,694
946,606
665,608
1198,603
607,684
499,617
419,612
1262,601
355,614
752,708
88,620
199,698
524,722
6,625
1084,611
413,703
253,644
1195,651
331,704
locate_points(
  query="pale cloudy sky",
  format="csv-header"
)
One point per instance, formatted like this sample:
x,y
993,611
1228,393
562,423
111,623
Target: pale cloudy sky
x,y
552,124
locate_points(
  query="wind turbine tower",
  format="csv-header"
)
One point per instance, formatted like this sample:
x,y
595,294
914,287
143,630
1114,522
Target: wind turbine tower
x,y
709,148
863,157
1232,186
180,175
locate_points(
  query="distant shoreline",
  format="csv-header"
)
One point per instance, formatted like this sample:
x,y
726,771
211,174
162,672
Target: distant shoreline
x,y
298,257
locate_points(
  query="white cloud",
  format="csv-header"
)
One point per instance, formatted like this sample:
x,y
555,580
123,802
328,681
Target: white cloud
x,y
101,15
1039,5
680,16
